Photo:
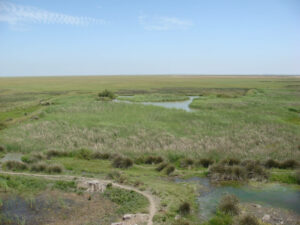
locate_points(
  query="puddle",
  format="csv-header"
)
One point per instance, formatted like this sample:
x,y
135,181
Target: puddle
x,y
275,195
170,105
12,157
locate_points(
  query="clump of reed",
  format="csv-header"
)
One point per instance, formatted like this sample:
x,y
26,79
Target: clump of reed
x,y
247,169
15,165
205,162
247,220
229,205
122,162
187,163
184,208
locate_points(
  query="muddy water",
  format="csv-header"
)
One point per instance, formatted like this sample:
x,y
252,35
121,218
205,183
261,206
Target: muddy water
x,y
275,195
170,105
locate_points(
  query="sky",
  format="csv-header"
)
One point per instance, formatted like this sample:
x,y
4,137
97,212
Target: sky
x,y
136,37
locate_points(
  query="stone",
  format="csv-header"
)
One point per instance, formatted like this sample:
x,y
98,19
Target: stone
x,y
266,217
127,216
118,223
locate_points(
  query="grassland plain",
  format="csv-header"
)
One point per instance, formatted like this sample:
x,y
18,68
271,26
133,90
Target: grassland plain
x,y
252,117
248,117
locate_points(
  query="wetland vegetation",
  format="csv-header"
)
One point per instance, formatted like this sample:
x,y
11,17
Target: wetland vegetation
x,y
243,132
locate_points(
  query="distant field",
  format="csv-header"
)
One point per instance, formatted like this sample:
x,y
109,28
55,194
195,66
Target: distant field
x,y
243,116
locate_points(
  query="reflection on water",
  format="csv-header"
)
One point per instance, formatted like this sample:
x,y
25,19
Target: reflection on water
x,y
274,195
171,105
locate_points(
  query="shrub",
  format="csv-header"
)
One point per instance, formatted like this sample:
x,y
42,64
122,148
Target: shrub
x,y
84,154
271,163
255,170
184,208
248,220
297,174
170,169
100,155
109,185
153,160
39,167
239,173
56,153
122,162
229,205
205,162
15,165
186,163
161,166
2,148
289,164
107,94
35,157
231,161
55,168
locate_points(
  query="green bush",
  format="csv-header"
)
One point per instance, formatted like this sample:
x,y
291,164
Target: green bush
x,y
187,162
161,166
55,168
32,158
39,167
184,208
56,153
100,155
107,94
231,161
122,162
297,174
229,205
271,163
205,162
2,148
84,154
15,165
247,220
170,169
289,164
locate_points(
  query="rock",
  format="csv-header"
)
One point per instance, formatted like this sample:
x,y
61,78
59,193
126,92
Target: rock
x,y
257,206
266,218
118,223
127,216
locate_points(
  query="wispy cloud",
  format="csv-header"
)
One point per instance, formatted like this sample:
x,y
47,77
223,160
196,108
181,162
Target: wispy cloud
x,y
163,23
15,14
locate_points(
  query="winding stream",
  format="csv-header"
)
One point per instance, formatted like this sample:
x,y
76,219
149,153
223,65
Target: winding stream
x,y
170,105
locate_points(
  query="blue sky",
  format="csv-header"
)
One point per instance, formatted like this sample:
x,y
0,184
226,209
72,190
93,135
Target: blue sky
x,y
104,37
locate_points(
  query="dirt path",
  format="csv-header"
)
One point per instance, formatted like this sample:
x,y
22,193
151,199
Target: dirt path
x,y
152,206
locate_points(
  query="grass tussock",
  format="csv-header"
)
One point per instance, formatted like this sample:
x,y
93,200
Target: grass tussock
x,y
248,169
161,166
205,162
122,162
39,167
187,163
55,168
15,166
229,205
33,158
56,153
170,169
100,155
107,95
2,148
297,175
184,208
247,220
289,164
230,161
